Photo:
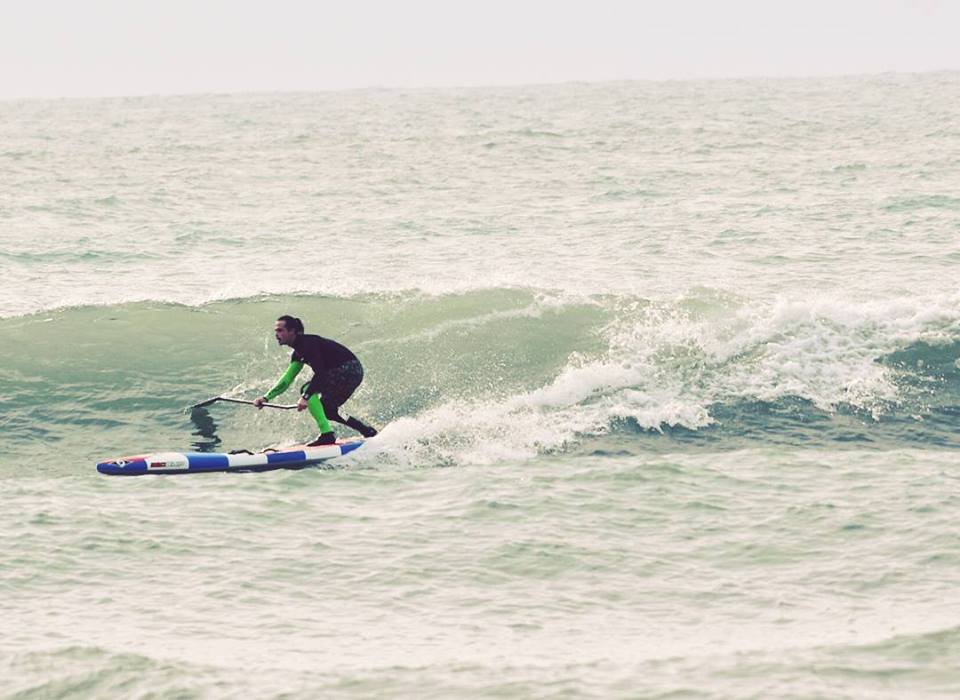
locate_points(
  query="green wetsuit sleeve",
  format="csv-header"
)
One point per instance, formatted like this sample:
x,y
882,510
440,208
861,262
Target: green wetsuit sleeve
x,y
285,381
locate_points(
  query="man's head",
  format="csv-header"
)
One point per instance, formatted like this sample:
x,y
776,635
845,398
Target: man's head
x,y
287,329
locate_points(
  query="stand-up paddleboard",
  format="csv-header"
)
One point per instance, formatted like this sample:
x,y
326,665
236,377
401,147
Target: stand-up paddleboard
x,y
295,457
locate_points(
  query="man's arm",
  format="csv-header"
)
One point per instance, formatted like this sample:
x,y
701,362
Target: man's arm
x,y
281,386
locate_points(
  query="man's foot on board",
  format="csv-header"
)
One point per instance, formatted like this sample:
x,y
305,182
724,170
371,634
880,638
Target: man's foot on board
x,y
361,427
324,439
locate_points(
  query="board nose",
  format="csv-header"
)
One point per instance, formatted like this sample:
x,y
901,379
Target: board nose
x,y
123,466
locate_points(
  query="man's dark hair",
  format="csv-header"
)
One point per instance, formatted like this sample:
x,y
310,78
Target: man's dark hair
x,y
292,323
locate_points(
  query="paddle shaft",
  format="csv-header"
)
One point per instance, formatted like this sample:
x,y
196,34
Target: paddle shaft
x,y
243,401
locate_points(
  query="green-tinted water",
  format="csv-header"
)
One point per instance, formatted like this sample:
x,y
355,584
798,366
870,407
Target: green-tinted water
x,y
668,376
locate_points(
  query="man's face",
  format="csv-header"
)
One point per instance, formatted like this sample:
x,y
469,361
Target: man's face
x,y
284,335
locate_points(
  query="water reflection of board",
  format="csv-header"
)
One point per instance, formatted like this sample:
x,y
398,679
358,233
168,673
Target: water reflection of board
x,y
294,457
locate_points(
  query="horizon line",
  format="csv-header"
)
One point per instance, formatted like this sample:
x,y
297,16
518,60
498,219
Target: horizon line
x,y
478,86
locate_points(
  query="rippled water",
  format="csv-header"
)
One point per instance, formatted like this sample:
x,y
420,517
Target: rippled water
x,y
668,375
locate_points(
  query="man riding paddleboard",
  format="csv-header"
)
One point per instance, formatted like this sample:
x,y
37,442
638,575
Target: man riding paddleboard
x,y
336,375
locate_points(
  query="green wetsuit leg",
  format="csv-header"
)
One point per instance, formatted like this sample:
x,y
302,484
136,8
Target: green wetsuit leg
x,y
316,410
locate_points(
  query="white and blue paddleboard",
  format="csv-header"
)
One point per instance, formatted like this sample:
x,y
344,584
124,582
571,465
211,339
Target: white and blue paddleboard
x,y
295,457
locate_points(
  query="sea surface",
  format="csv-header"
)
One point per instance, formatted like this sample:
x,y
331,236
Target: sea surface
x,y
667,375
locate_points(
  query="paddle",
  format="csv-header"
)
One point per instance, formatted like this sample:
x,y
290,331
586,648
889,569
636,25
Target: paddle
x,y
243,401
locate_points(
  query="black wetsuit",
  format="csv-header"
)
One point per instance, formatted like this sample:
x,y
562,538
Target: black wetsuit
x,y
336,371
336,375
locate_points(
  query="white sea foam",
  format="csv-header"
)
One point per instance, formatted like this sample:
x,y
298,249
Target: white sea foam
x,y
667,367
826,351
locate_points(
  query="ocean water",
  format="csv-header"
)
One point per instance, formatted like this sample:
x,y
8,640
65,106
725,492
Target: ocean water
x,y
667,374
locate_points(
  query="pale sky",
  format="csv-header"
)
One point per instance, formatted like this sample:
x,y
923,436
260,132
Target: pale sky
x,y
132,47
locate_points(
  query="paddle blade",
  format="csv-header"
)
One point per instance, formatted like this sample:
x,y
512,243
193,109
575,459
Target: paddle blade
x,y
205,403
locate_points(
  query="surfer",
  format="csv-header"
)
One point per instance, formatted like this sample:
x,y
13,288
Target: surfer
x,y
336,375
